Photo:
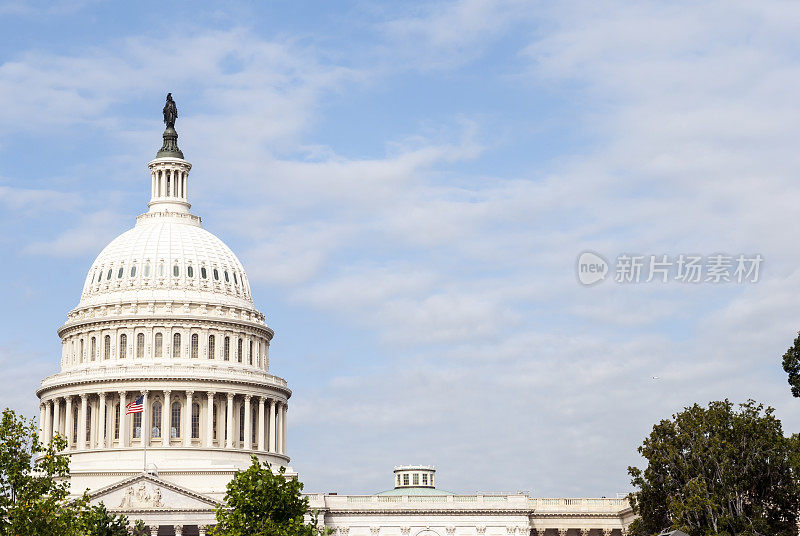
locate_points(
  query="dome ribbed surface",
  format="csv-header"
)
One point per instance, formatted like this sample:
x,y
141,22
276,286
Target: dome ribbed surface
x,y
167,258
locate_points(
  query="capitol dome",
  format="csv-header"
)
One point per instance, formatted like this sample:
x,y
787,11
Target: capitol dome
x,y
167,256
165,363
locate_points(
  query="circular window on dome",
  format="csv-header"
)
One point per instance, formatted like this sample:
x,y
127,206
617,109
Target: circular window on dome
x,y
227,279
176,271
216,274
108,275
190,271
133,271
203,272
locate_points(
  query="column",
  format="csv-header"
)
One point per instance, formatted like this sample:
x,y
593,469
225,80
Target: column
x,y
285,427
279,429
187,434
166,420
42,433
102,416
210,420
82,422
248,424
68,421
48,421
153,530
178,530
56,416
146,426
272,425
229,428
123,432
261,402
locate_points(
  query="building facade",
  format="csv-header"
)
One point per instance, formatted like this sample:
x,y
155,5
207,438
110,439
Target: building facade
x,y
166,321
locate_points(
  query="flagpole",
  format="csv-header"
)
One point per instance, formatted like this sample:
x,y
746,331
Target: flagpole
x,y
144,441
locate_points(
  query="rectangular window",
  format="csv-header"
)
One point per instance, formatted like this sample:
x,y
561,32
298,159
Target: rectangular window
x,y
226,349
75,420
253,428
140,345
405,480
116,422
88,424
176,345
239,351
416,479
123,346
211,344
107,347
241,423
250,353
175,427
137,425
195,421
94,348
158,347
157,419
195,344
214,426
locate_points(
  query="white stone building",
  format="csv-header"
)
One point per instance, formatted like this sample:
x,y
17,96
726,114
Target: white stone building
x,y
166,314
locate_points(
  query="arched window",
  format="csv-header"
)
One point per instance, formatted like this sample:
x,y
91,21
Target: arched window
x,y
147,270
116,421
75,419
195,420
203,272
239,351
227,279
123,346
108,275
175,424
93,348
137,425
120,272
176,271
107,347
156,419
81,354
235,279
99,275
250,353
161,270
176,345
211,344
133,271
140,345
216,274
241,423
195,344
158,347
226,349
190,271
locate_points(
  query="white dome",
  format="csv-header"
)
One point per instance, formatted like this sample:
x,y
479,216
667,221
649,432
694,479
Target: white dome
x,y
167,257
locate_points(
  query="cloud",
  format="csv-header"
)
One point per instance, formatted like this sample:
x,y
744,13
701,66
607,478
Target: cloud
x,y
92,233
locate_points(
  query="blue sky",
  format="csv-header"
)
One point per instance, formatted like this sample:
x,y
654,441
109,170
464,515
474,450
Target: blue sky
x,y
408,186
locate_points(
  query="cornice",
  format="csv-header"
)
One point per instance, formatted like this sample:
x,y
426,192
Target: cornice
x,y
428,511
75,325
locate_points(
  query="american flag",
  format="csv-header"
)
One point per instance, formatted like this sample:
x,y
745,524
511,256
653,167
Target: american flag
x,y
136,406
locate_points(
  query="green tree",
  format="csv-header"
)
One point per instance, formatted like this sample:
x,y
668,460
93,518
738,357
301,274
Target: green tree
x,y
33,481
261,503
718,471
791,364
98,521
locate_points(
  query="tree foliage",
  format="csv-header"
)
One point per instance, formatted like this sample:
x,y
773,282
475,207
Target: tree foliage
x,y
34,489
259,502
718,471
791,364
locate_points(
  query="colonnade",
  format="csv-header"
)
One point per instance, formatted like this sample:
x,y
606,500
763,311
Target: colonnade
x,y
224,419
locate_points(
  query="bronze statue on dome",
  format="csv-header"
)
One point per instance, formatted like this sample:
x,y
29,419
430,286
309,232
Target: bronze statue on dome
x,y
170,112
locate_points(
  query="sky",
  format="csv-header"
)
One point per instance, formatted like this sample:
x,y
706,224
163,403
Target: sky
x,y
409,186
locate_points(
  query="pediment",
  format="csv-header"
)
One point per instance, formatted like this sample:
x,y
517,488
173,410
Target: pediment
x,y
147,492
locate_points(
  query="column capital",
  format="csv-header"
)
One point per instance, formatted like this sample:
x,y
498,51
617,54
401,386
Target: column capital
x,y
122,393
145,392
231,395
210,394
248,397
189,393
84,396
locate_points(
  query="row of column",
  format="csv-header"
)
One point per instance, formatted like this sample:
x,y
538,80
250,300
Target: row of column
x,y
201,530
97,427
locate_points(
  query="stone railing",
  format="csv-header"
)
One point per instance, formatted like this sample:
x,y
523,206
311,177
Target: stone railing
x,y
133,372
601,505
